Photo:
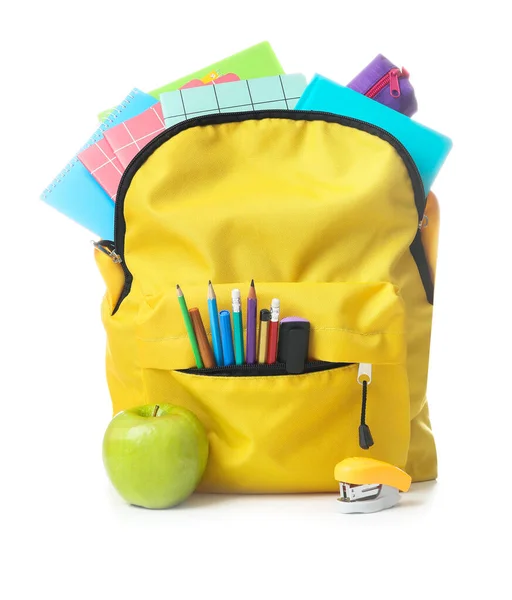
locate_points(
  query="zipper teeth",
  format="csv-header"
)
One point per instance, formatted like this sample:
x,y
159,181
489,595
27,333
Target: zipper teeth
x,y
276,365
379,86
168,133
276,114
311,366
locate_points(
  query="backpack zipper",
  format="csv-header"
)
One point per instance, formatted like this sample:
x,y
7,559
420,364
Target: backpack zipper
x,y
140,158
108,248
391,79
216,119
263,369
364,378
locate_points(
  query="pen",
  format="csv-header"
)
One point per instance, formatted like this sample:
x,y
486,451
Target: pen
x,y
202,339
190,327
272,333
263,335
252,309
238,327
227,340
214,325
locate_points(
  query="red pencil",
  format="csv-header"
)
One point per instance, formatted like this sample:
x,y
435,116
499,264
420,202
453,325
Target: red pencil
x,y
273,331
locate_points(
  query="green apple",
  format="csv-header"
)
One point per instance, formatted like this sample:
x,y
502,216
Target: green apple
x,y
155,455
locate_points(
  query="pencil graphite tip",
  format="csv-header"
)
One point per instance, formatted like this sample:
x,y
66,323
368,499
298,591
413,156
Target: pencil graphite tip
x,y
209,281
252,291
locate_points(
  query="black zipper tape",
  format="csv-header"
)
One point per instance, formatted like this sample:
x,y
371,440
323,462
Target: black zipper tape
x,y
294,115
263,370
420,258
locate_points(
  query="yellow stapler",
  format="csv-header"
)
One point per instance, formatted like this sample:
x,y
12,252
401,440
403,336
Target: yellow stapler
x,y
368,485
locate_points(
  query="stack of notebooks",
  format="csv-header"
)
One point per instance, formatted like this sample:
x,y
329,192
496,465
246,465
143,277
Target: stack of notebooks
x,y
85,190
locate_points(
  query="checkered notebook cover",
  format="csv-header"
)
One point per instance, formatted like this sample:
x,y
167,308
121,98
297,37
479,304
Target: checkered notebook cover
x,y
75,192
278,92
101,162
127,138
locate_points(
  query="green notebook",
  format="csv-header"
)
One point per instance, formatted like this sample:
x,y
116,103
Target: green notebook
x,y
256,61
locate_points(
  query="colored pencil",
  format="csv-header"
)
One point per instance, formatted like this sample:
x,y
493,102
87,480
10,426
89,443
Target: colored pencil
x,y
202,339
190,327
214,325
252,311
238,327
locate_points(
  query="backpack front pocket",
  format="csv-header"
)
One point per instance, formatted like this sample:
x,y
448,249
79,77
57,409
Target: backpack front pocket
x,y
270,431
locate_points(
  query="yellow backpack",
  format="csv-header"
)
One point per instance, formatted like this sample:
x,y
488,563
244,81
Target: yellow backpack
x,y
325,213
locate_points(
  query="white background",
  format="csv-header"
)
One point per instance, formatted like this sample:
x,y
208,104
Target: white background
x,y
64,532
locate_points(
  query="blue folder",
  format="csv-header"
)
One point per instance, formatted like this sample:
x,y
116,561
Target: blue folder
x,y
75,192
428,148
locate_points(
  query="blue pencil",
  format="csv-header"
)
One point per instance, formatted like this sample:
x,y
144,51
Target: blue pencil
x,y
227,338
214,325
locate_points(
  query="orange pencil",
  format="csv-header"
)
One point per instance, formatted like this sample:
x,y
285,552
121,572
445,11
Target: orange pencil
x,y
202,339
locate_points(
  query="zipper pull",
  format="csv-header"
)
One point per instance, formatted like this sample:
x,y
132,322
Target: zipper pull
x,y
109,251
364,377
394,85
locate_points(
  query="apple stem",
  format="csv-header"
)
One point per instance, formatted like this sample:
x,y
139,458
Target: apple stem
x,y
155,411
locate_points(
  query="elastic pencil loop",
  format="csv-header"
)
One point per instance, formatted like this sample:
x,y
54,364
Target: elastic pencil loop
x,y
110,120
365,435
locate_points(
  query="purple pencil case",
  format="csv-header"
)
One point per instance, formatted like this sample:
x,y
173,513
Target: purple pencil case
x,y
386,83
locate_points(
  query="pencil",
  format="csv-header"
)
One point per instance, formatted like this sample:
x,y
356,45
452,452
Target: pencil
x,y
273,332
190,328
263,335
202,339
214,325
252,310
238,327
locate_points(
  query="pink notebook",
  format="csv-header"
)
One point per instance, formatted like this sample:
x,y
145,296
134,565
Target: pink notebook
x,y
127,138
101,162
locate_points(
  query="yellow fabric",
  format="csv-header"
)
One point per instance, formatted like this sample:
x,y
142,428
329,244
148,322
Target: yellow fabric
x,y
430,232
320,215
113,276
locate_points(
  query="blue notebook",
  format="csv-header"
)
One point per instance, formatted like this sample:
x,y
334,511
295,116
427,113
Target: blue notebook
x,y
428,148
75,192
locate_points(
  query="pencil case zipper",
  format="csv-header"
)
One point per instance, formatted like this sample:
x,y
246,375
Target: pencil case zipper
x,y
364,377
391,79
